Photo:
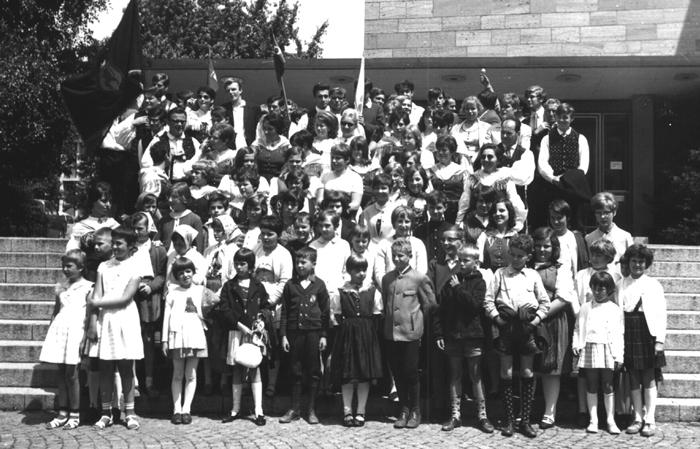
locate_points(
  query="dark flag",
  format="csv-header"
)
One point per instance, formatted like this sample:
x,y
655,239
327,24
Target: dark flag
x,y
279,61
212,79
94,99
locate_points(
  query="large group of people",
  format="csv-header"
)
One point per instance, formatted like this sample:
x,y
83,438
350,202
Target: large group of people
x,y
386,246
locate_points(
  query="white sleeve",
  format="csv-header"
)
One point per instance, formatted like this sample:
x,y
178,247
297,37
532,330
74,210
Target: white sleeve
x,y
146,159
525,136
543,166
583,153
518,205
481,244
523,170
464,199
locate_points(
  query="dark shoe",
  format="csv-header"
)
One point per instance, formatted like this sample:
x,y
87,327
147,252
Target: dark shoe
x,y
527,430
229,419
403,418
450,425
485,425
508,430
413,420
176,419
359,420
546,423
582,420
348,421
186,418
260,420
394,396
291,415
313,419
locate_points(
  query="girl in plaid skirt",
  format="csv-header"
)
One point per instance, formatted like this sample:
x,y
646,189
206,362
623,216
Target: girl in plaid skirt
x,y
643,301
598,341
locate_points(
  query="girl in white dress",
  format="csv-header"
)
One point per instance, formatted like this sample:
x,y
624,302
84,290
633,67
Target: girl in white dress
x,y
62,344
183,335
119,340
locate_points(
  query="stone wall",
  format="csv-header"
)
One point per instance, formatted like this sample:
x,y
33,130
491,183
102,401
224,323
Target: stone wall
x,y
516,28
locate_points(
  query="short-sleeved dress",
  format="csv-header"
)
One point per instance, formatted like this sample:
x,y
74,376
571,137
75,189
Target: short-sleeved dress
x,y
62,344
184,328
119,335
356,355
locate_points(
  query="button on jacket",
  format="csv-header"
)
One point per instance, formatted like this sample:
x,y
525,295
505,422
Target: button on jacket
x,y
307,308
406,297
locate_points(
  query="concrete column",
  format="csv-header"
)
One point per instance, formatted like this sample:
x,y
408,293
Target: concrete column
x,y
642,164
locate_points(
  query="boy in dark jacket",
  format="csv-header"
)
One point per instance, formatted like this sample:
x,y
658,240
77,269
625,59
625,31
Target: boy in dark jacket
x,y
303,327
461,310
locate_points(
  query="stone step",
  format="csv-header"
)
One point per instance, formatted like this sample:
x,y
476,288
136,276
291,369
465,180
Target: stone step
x,y
32,310
682,362
680,385
31,275
675,253
675,269
679,339
678,409
683,319
30,259
34,244
23,329
680,285
20,350
26,398
682,301
26,374
28,292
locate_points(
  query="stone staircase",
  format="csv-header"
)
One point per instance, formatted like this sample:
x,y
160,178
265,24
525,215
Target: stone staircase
x,y
29,268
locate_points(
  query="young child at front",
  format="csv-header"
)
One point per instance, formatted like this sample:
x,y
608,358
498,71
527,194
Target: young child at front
x,y
244,299
604,207
303,327
119,341
62,343
642,299
461,306
183,335
406,295
356,359
598,342
517,302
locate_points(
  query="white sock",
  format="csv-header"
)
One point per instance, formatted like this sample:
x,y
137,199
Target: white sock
x,y
257,397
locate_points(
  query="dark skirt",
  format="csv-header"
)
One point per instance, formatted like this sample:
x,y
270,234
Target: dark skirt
x,y
556,359
356,355
639,344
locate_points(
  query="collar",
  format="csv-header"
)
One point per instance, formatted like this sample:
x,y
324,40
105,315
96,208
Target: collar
x,y
513,272
327,109
171,137
241,104
405,270
568,131
177,215
311,278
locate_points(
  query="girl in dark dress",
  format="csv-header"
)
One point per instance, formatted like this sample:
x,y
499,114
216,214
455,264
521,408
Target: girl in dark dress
x,y
356,359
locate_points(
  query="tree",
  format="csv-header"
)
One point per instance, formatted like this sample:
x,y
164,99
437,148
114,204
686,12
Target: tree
x,y
230,28
41,42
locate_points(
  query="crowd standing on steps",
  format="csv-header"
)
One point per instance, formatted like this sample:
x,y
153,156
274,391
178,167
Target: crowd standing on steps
x,y
383,249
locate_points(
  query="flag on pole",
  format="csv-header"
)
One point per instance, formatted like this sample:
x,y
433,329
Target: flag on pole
x,y
95,98
278,59
212,79
360,89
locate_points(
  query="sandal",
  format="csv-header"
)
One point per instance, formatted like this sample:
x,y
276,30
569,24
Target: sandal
x,y
104,422
132,422
633,428
359,420
546,423
348,420
57,422
71,424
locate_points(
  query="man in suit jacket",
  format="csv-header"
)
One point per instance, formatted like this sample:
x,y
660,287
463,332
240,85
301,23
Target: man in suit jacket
x,y
242,116
322,100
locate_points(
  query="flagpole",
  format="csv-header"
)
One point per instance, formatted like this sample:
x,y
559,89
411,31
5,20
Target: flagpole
x,y
280,74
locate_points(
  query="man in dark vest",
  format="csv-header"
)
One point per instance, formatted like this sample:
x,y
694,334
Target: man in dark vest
x,y
242,116
182,151
563,163
520,161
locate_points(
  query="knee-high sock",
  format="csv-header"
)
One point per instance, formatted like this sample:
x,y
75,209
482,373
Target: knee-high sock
x,y
507,386
236,393
650,395
257,397
592,400
190,384
610,407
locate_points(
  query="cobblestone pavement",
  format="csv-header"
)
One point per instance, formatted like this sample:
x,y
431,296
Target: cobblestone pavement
x,y
26,430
